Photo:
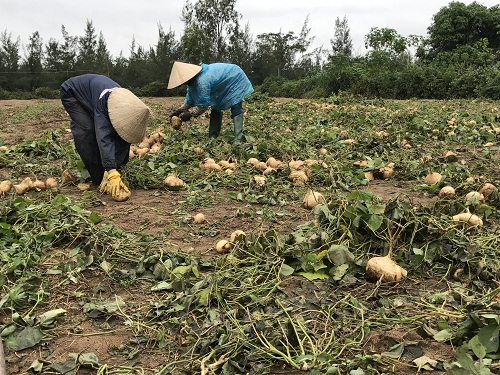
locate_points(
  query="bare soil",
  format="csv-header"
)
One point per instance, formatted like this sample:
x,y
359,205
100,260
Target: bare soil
x,y
154,211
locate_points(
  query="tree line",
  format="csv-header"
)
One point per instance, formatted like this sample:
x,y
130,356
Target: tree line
x,y
458,58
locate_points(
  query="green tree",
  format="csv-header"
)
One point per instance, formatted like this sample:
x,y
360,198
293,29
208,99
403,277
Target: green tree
x,y
68,51
341,42
385,40
196,45
87,50
240,47
164,53
53,56
277,53
9,61
136,74
32,63
103,57
458,24
216,19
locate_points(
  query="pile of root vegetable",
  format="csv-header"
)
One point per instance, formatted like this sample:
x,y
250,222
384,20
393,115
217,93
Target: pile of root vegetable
x,y
325,270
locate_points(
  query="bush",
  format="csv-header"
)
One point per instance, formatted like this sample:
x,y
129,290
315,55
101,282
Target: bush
x,y
4,95
46,93
154,89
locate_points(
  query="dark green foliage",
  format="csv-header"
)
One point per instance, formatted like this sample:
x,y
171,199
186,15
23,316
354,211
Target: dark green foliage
x,y
457,59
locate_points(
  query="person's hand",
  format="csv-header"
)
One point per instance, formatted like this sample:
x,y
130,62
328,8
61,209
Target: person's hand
x,y
186,116
104,183
177,112
115,183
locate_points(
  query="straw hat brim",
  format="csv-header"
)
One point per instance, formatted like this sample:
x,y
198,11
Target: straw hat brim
x,y
181,73
128,115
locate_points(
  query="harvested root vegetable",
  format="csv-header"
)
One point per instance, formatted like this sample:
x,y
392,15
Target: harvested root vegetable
x,y
468,218
157,137
383,269
123,196
51,183
323,151
67,177
268,170
199,218
155,148
223,246
24,186
387,171
426,158
380,134
224,164
369,176
470,180
209,164
261,166
295,164
446,192
299,178
252,161
487,189
237,235
474,197
313,198
175,122
173,182
38,184
348,141
310,162
259,180
142,151
5,187
83,186
361,163
3,148
432,178
145,143
198,150
274,163
133,151
212,167
450,156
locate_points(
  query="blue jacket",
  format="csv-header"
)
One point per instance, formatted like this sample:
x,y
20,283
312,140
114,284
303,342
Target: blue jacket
x,y
92,92
219,86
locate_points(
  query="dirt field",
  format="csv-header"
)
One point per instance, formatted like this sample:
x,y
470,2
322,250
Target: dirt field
x,y
158,211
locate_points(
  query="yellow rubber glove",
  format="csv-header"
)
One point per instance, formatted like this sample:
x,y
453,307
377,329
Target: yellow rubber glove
x,y
115,183
104,182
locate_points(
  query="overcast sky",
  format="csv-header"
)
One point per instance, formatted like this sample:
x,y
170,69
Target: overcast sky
x,y
122,20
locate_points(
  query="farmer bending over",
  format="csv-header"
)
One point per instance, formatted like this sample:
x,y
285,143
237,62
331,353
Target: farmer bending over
x,y
220,86
105,120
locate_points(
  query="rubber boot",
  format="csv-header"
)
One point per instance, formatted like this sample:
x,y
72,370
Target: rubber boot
x,y
215,123
238,129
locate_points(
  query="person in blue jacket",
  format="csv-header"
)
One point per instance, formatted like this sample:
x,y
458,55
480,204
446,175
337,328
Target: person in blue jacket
x,y
220,86
105,120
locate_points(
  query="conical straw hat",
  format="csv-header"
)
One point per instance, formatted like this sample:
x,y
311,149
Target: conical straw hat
x,y
181,73
128,115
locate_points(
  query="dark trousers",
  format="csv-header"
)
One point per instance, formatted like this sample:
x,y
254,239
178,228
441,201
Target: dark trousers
x,y
83,130
216,119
